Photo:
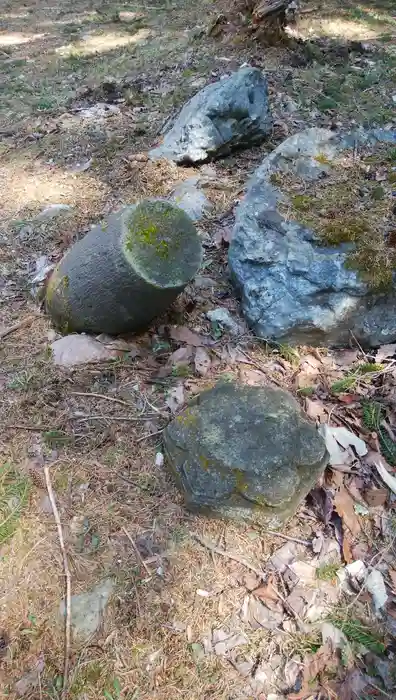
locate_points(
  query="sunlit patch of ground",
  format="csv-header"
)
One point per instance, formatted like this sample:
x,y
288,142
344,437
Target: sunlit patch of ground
x,y
16,38
101,43
342,28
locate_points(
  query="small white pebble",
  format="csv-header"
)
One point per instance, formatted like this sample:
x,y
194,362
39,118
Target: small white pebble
x,y
159,459
203,594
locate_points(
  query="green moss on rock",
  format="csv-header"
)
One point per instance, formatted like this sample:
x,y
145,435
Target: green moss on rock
x,y
244,452
349,205
156,229
125,272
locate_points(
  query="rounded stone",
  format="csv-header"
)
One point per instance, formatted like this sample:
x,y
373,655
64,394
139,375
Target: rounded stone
x,y
244,452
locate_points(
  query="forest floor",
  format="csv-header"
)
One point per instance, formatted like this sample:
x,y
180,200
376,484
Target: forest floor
x,y
85,87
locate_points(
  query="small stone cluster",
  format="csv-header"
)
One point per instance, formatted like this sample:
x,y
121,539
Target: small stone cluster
x,y
311,257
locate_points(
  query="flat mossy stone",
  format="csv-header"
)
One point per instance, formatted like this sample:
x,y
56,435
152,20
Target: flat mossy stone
x,y
245,453
125,271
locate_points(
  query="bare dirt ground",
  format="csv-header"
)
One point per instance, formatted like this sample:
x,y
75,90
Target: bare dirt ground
x,y
86,87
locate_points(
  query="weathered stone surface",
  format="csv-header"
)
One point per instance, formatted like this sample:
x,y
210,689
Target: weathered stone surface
x,y
72,350
294,290
232,113
125,272
189,197
52,211
244,452
87,609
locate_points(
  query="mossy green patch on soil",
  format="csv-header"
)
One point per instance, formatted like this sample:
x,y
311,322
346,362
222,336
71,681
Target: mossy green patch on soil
x,y
351,204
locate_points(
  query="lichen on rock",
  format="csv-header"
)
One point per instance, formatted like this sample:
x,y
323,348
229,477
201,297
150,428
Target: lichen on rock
x,y
153,238
245,453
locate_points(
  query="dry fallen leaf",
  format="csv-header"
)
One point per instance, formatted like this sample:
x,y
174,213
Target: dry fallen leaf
x,y
175,397
375,585
182,334
202,361
321,502
304,380
348,398
354,490
338,440
224,642
181,356
385,476
359,550
392,576
345,438
343,504
315,409
311,364
323,660
345,358
346,548
384,352
267,592
304,571
29,680
222,236
376,497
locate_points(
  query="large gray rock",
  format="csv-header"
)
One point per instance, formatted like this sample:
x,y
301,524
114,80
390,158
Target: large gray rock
x,y
244,452
232,113
294,290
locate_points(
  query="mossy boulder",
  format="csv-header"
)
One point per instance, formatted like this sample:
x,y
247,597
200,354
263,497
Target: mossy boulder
x,y
126,271
245,453
313,252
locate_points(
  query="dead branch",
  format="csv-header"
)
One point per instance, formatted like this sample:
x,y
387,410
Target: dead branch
x,y
235,557
139,556
66,571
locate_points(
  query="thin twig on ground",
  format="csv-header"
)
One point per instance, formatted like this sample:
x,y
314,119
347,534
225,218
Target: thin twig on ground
x,y
34,428
15,327
67,575
306,543
128,419
133,543
149,435
259,367
235,557
380,690
101,396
